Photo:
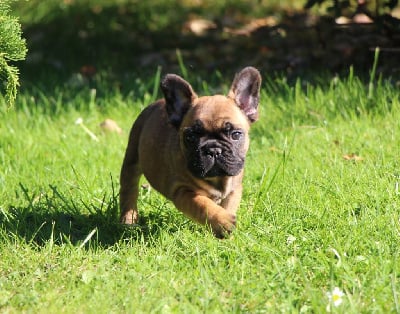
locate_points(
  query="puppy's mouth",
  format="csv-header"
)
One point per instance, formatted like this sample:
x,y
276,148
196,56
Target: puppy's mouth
x,y
215,161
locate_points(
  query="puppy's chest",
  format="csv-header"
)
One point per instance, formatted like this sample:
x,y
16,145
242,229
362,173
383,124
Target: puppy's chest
x,y
219,188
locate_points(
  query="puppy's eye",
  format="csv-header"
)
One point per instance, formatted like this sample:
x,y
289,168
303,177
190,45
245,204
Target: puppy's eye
x,y
190,137
236,135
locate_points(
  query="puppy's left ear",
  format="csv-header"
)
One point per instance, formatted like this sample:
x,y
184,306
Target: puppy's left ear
x,y
179,96
245,91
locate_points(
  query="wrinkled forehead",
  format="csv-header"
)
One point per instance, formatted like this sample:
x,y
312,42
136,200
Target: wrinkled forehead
x,y
215,111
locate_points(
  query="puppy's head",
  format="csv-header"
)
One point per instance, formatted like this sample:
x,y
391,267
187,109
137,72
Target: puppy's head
x,y
213,130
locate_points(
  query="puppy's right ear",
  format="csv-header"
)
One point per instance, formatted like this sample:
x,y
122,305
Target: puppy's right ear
x,y
179,96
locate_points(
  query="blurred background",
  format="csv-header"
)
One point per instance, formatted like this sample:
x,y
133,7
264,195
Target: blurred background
x,y
81,39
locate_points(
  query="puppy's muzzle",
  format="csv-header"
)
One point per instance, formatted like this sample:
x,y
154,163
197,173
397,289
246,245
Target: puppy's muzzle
x,y
211,150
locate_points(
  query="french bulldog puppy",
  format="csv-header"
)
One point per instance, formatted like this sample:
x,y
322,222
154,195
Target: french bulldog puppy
x,y
192,150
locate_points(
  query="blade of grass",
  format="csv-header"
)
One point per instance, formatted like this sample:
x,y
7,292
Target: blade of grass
x,y
373,73
181,64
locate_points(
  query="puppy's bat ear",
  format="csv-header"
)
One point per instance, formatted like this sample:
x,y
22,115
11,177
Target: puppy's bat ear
x,y
245,91
179,96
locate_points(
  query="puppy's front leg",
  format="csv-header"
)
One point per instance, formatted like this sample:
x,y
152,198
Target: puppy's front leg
x,y
204,210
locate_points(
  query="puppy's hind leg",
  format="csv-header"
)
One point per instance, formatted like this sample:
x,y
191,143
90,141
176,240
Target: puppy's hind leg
x,y
129,192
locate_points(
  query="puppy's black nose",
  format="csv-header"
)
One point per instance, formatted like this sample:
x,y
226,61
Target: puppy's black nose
x,y
213,151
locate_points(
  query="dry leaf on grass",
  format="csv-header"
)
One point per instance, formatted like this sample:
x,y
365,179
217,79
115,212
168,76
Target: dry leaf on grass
x,y
199,26
109,125
276,150
352,157
253,26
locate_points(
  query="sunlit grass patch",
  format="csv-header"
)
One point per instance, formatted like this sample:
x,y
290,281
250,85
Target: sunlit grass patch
x,y
311,219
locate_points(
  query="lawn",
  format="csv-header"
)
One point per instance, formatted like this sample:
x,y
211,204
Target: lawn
x,y
320,208
319,223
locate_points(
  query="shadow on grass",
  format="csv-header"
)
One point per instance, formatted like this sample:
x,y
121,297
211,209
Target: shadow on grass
x,y
53,217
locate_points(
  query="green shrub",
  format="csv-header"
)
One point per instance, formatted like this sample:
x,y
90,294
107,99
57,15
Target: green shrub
x,y
12,48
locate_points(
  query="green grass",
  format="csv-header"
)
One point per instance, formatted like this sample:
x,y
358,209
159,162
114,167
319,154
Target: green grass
x,y
309,219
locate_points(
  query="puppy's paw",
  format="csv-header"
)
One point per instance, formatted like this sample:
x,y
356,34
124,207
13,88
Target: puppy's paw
x,y
130,217
224,225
